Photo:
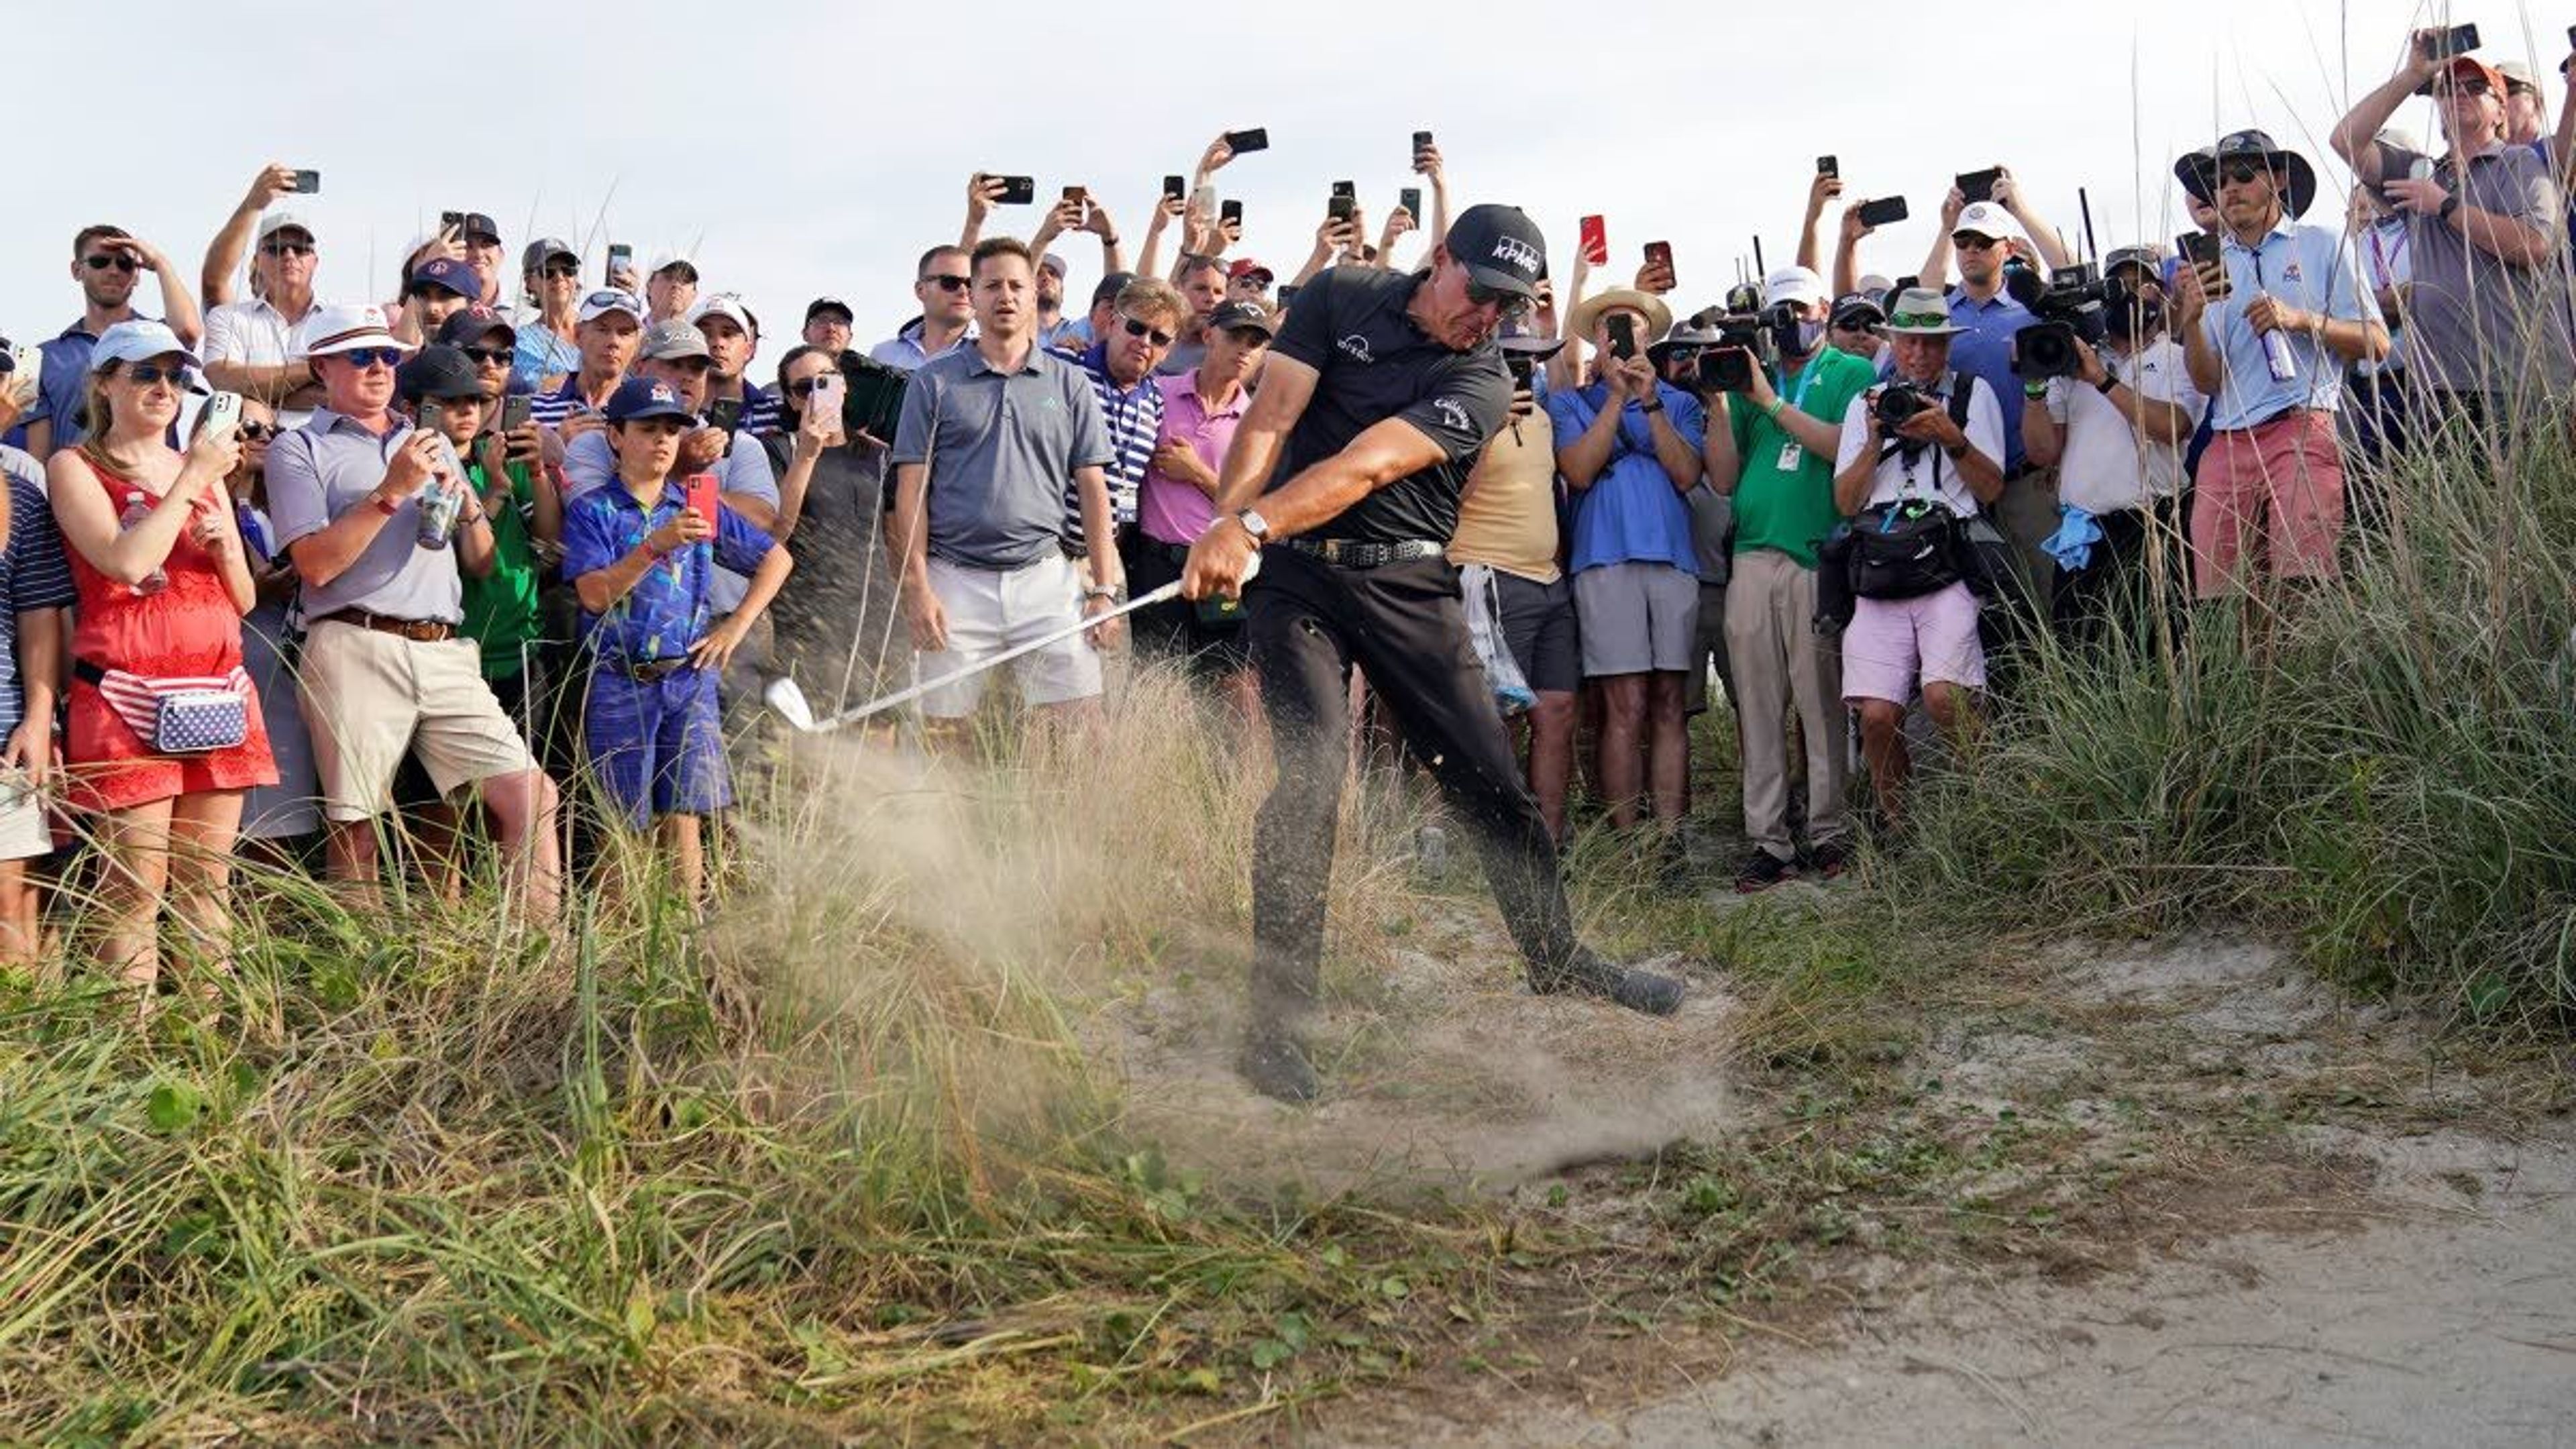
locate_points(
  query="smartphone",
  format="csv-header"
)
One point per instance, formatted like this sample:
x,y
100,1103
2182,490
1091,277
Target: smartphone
x,y
2458,40
1340,208
451,221
826,396
1660,254
1076,193
1344,188
1904,284
704,499
1828,166
1410,198
1174,186
223,410
1596,241
725,413
1882,212
1287,294
620,257
516,410
308,183
1421,143
1256,139
1623,336
1980,185
1522,367
2199,248
1229,211
1018,190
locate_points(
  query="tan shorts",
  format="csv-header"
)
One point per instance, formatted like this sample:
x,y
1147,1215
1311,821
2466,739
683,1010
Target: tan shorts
x,y
370,698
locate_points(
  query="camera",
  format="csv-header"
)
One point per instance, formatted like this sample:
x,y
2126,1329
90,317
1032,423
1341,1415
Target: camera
x,y
1898,401
2071,307
1745,341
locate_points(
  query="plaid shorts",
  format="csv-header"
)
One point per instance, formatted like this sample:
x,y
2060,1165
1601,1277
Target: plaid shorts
x,y
656,748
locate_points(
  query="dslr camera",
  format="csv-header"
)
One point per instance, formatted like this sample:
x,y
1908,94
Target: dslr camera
x,y
2070,306
1898,401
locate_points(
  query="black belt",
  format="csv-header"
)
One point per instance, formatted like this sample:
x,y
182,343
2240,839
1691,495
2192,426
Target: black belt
x,y
648,671
1353,554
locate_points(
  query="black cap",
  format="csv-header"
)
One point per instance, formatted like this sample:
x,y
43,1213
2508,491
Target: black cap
x,y
1230,315
473,324
2199,171
478,224
1500,247
1850,302
438,373
1536,349
821,305
1110,286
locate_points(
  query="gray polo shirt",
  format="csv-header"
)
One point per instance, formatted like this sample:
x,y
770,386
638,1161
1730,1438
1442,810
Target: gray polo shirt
x,y
2475,323
1002,451
327,467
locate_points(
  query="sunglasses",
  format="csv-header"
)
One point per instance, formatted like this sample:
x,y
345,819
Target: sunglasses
x,y
1968,241
559,270
101,261
1919,319
490,356
253,430
285,249
2473,86
145,374
2241,173
1511,306
1147,331
1687,352
949,281
366,357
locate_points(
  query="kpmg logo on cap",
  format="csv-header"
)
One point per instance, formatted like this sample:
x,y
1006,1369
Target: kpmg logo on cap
x,y
1519,253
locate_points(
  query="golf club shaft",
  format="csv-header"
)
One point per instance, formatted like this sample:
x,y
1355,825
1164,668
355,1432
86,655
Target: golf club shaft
x,y
1171,590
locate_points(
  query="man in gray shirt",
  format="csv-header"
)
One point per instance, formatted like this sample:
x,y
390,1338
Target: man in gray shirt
x,y
2486,326
989,435
384,670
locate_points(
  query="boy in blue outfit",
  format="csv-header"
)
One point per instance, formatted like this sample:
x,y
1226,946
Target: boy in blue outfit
x,y
641,561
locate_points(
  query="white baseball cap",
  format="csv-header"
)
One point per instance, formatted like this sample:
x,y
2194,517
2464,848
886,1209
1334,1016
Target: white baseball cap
x,y
1985,219
727,305
676,257
1794,284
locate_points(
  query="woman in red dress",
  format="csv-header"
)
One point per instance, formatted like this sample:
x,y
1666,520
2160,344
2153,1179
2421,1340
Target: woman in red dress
x,y
163,583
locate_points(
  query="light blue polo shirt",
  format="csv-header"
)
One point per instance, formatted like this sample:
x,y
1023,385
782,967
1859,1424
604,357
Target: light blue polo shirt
x,y
2309,267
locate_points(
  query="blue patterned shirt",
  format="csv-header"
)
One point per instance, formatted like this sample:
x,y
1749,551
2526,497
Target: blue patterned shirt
x,y
669,608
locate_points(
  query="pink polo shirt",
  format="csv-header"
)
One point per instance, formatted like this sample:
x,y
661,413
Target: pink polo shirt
x,y
1169,509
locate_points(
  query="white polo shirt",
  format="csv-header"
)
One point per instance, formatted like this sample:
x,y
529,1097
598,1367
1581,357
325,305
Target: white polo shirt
x,y
2107,466
255,334
1929,473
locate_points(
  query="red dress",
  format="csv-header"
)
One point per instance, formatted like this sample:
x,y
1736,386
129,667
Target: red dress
x,y
189,628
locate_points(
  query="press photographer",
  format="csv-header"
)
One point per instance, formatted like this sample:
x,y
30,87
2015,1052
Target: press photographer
x,y
1918,456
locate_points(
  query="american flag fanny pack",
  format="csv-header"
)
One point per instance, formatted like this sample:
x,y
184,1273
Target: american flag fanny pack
x,y
179,715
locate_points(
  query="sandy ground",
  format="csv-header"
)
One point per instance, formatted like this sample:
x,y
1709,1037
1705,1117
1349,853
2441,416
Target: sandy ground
x,y
2423,1293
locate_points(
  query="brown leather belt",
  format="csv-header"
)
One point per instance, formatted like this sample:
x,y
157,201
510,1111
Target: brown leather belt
x,y
418,631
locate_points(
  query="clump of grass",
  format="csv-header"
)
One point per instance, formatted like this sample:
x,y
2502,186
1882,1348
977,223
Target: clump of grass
x,y
833,1164
2386,766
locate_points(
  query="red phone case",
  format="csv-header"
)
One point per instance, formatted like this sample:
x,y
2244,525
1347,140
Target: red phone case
x,y
1596,241
703,497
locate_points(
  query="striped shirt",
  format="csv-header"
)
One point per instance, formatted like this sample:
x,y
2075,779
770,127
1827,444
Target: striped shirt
x,y
759,410
1135,417
551,408
33,574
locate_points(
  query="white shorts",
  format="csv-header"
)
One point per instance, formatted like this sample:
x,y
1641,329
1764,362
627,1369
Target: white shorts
x,y
990,610
25,830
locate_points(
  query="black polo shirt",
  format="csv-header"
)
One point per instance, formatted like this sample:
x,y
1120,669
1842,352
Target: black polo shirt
x,y
1374,364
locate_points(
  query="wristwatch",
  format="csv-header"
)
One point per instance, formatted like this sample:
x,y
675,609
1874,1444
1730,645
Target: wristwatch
x,y
1114,593
1651,407
2106,385
1254,524
2450,203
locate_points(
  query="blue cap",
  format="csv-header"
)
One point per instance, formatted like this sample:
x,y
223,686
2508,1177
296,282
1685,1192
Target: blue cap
x,y
139,340
638,398
450,273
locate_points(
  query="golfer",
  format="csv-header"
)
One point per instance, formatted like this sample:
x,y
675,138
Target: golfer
x,y
1345,475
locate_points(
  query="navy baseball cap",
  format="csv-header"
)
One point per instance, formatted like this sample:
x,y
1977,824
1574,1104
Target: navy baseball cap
x,y
449,273
638,398
473,325
1500,247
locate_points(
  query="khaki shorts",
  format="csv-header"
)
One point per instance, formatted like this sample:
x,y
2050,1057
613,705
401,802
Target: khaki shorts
x,y
370,698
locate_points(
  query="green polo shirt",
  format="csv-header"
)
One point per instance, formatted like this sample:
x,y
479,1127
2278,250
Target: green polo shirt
x,y
501,610
1789,509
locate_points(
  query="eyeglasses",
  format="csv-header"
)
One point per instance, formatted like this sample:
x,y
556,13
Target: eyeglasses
x,y
285,249
1510,306
949,281
145,374
366,357
101,261
804,386
1147,331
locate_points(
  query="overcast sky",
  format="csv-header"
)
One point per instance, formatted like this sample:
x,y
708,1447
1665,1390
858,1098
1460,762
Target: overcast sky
x,y
820,148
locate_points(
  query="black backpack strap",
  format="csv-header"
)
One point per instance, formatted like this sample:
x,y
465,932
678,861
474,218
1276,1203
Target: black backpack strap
x,y
1962,384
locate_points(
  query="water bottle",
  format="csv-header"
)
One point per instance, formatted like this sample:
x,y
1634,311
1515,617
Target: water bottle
x,y
138,508
2276,355
438,510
